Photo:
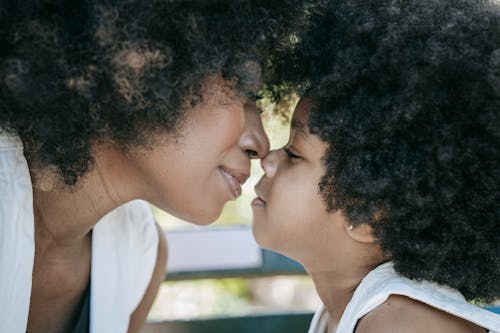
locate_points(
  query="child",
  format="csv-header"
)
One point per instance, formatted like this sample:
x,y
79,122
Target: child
x,y
388,189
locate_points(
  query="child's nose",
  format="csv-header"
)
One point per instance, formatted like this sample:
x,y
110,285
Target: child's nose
x,y
254,140
270,163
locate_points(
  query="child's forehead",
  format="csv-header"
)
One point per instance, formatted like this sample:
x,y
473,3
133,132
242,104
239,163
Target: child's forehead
x,y
299,125
299,118
301,112
298,122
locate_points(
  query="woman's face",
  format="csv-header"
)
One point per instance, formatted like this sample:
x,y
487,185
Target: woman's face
x,y
289,215
195,173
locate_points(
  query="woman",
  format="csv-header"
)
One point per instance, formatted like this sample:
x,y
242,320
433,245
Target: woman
x,y
103,103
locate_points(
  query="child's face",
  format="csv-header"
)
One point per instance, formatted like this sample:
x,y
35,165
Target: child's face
x,y
289,214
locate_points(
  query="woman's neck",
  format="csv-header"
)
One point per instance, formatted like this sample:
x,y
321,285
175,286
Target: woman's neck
x,y
65,215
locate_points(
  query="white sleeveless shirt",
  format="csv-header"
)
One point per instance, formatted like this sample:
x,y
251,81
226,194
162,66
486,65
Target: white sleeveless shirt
x,y
124,251
383,281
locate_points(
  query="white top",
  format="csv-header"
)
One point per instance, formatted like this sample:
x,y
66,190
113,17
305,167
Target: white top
x,y
124,251
383,281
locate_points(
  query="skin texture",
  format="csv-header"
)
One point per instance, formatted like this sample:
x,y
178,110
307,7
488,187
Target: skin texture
x,y
65,216
218,136
141,312
402,314
279,225
291,217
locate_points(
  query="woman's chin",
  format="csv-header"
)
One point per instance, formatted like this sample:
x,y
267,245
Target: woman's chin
x,y
203,221
195,214
204,217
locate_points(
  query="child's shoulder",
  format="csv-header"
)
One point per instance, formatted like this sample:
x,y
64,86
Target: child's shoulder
x,y
405,315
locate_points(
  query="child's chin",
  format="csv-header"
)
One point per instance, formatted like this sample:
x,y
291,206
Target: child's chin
x,y
259,234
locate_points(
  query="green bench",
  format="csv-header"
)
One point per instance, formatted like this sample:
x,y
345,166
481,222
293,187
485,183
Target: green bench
x,y
262,323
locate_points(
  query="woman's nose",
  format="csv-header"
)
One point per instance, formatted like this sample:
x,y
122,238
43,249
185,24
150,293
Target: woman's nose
x,y
254,140
270,163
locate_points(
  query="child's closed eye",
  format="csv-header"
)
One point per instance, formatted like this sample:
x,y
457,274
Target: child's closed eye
x,y
290,154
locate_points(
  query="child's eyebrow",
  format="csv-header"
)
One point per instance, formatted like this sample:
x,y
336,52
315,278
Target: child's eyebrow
x,y
300,127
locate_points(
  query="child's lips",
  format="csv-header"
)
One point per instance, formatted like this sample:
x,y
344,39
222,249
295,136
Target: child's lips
x,y
258,202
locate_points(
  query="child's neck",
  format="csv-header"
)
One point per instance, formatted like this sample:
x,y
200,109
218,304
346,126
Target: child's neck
x,y
336,283
335,288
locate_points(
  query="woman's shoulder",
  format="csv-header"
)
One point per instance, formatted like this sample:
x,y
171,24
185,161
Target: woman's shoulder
x,y
406,315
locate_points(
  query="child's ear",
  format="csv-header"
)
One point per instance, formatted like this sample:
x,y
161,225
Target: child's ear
x,y
362,233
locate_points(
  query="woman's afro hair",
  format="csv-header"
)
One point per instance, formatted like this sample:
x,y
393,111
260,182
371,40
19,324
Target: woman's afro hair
x,y
74,73
408,98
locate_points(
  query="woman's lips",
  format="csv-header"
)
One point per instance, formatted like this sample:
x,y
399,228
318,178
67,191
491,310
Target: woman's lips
x,y
233,181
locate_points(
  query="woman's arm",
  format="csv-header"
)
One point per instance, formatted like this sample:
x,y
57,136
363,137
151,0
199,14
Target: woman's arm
x,y
138,317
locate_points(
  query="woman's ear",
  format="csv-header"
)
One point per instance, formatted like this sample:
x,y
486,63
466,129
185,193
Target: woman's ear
x,y
362,233
45,179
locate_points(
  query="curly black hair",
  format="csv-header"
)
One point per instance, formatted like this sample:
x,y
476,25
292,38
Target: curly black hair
x,y
75,73
408,98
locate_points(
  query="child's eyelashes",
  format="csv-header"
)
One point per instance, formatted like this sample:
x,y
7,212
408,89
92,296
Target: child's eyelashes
x,y
290,154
